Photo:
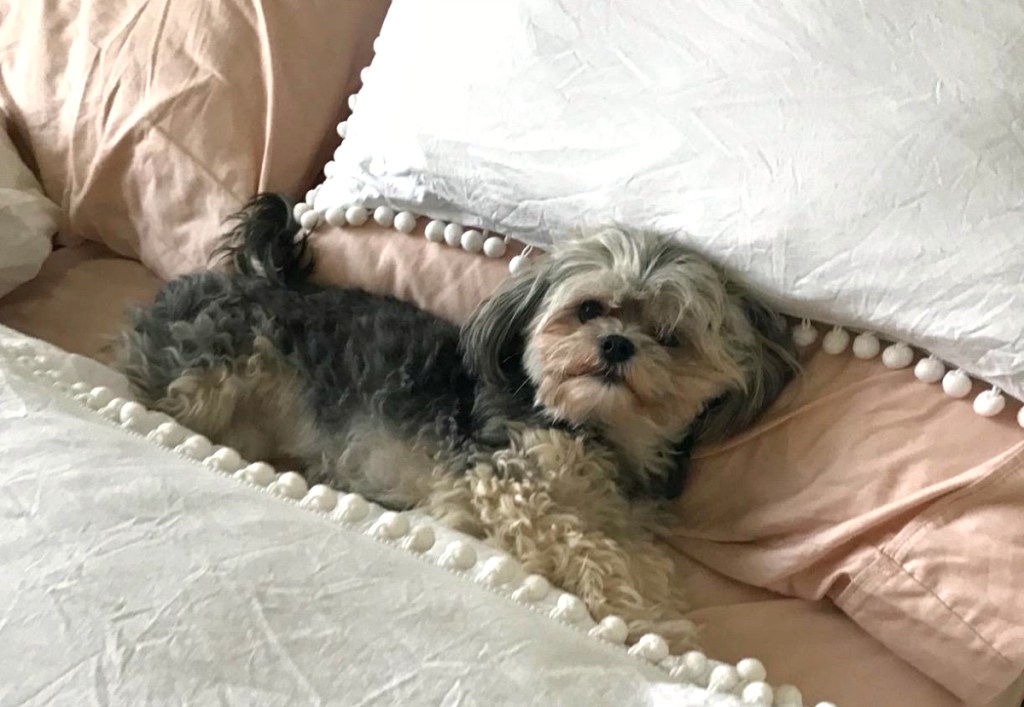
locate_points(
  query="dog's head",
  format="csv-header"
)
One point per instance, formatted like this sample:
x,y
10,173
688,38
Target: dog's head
x,y
638,338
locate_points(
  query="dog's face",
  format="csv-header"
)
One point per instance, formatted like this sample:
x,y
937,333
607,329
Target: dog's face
x,y
632,335
629,348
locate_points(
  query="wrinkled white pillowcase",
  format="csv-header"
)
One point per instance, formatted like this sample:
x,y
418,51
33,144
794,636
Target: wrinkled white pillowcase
x,y
858,163
28,220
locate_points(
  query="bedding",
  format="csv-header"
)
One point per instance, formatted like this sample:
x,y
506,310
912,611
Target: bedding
x,y
149,121
138,573
868,411
860,164
28,219
79,299
855,488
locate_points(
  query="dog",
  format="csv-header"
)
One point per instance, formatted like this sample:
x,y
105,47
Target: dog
x,y
554,424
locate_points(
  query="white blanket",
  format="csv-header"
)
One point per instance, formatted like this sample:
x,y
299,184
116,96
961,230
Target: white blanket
x,y
132,575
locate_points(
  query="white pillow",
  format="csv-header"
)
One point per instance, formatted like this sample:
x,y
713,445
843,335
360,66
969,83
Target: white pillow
x,y
859,163
27,220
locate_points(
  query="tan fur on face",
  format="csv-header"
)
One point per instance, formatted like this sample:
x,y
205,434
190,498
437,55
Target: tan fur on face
x,y
551,502
662,389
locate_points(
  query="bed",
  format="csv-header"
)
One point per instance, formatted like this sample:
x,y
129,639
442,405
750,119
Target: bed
x,y
860,541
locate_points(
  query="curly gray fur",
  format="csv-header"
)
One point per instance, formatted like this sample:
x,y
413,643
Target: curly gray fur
x,y
371,394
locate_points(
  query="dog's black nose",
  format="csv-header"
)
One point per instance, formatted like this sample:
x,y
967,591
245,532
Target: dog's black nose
x,y
617,349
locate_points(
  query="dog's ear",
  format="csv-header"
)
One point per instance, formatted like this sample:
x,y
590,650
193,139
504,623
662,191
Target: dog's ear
x,y
493,338
770,363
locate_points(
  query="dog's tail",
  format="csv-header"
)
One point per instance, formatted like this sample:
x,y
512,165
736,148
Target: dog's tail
x,y
267,241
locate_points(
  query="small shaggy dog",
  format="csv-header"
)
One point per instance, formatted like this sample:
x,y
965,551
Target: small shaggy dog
x,y
551,425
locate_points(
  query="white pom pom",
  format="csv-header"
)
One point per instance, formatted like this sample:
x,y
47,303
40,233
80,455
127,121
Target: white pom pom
x,y
391,526
534,588
353,101
434,231
384,216
472,241
169,434
692,666
956,384
420,539
835,341
336,216
458,555
294,482
1020,417
329,169
498,570
650,646
898,355
788,696
310,220
79,387
130,412
724,678
804,334
866,345
300,209
196,446
517,263
99,397
929,370
495,247
258,473
112,410
364,74
225,459
758,693
453,234
612,629
343,129
405,222
281,490
357,215
311,195
352,508
751,670
320,498
825,704
989,403
570,608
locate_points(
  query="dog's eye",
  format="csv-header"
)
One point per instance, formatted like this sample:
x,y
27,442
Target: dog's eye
x,y
669,340
589,309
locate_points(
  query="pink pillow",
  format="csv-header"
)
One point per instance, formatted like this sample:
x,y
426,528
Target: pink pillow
x,y
861,485
881,493
150,122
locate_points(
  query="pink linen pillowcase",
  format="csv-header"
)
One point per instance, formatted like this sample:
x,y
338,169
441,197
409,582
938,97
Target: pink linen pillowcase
x,y
901,505
861,484
149,122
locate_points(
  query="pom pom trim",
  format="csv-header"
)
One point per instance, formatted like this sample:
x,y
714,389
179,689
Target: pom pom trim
x,y
408,531
897,355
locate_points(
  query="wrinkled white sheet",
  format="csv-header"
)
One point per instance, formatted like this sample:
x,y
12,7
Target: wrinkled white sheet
x,y
861,163
27,219
131,576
